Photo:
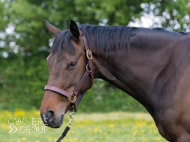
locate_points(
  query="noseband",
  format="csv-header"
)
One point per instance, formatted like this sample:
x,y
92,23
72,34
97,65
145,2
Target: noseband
x,y
73,95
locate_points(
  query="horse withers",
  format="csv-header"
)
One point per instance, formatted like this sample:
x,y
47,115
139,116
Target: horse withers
x,y
151,65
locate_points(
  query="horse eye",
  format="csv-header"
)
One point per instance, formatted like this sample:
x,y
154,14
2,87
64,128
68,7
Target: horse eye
x,y
72,64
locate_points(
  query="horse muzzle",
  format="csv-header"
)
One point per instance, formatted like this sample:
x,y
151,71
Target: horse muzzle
x,y
50,120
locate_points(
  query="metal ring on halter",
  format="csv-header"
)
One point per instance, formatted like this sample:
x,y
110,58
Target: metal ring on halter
x,y
87,54
87,67
72,98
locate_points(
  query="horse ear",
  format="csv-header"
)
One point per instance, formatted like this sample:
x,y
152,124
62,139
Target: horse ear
x,y
74,30
53,30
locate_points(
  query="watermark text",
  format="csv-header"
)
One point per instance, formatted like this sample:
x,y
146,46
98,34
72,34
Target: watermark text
x,y
22,125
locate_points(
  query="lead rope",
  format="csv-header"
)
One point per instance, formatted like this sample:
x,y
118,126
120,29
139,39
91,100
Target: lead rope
x,y
67,127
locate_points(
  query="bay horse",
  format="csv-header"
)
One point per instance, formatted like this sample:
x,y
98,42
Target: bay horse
x,y
151,65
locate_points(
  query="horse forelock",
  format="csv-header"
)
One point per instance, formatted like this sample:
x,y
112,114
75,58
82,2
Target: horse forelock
x,y
63,42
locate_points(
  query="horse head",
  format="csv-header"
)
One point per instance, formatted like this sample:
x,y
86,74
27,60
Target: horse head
x,y
70,74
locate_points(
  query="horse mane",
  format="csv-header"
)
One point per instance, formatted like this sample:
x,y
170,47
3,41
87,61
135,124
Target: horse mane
x,y
107,38
103,38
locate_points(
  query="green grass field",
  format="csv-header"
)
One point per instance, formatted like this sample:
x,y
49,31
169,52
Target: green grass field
x,y
95,127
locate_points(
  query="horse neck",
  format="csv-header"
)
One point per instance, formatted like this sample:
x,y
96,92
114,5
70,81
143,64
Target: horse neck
x,y
134,71
123,71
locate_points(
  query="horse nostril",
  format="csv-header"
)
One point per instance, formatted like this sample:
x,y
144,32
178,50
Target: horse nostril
x,y
50,115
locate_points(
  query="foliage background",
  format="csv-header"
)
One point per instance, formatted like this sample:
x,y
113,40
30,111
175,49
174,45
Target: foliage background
x,y
24,44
